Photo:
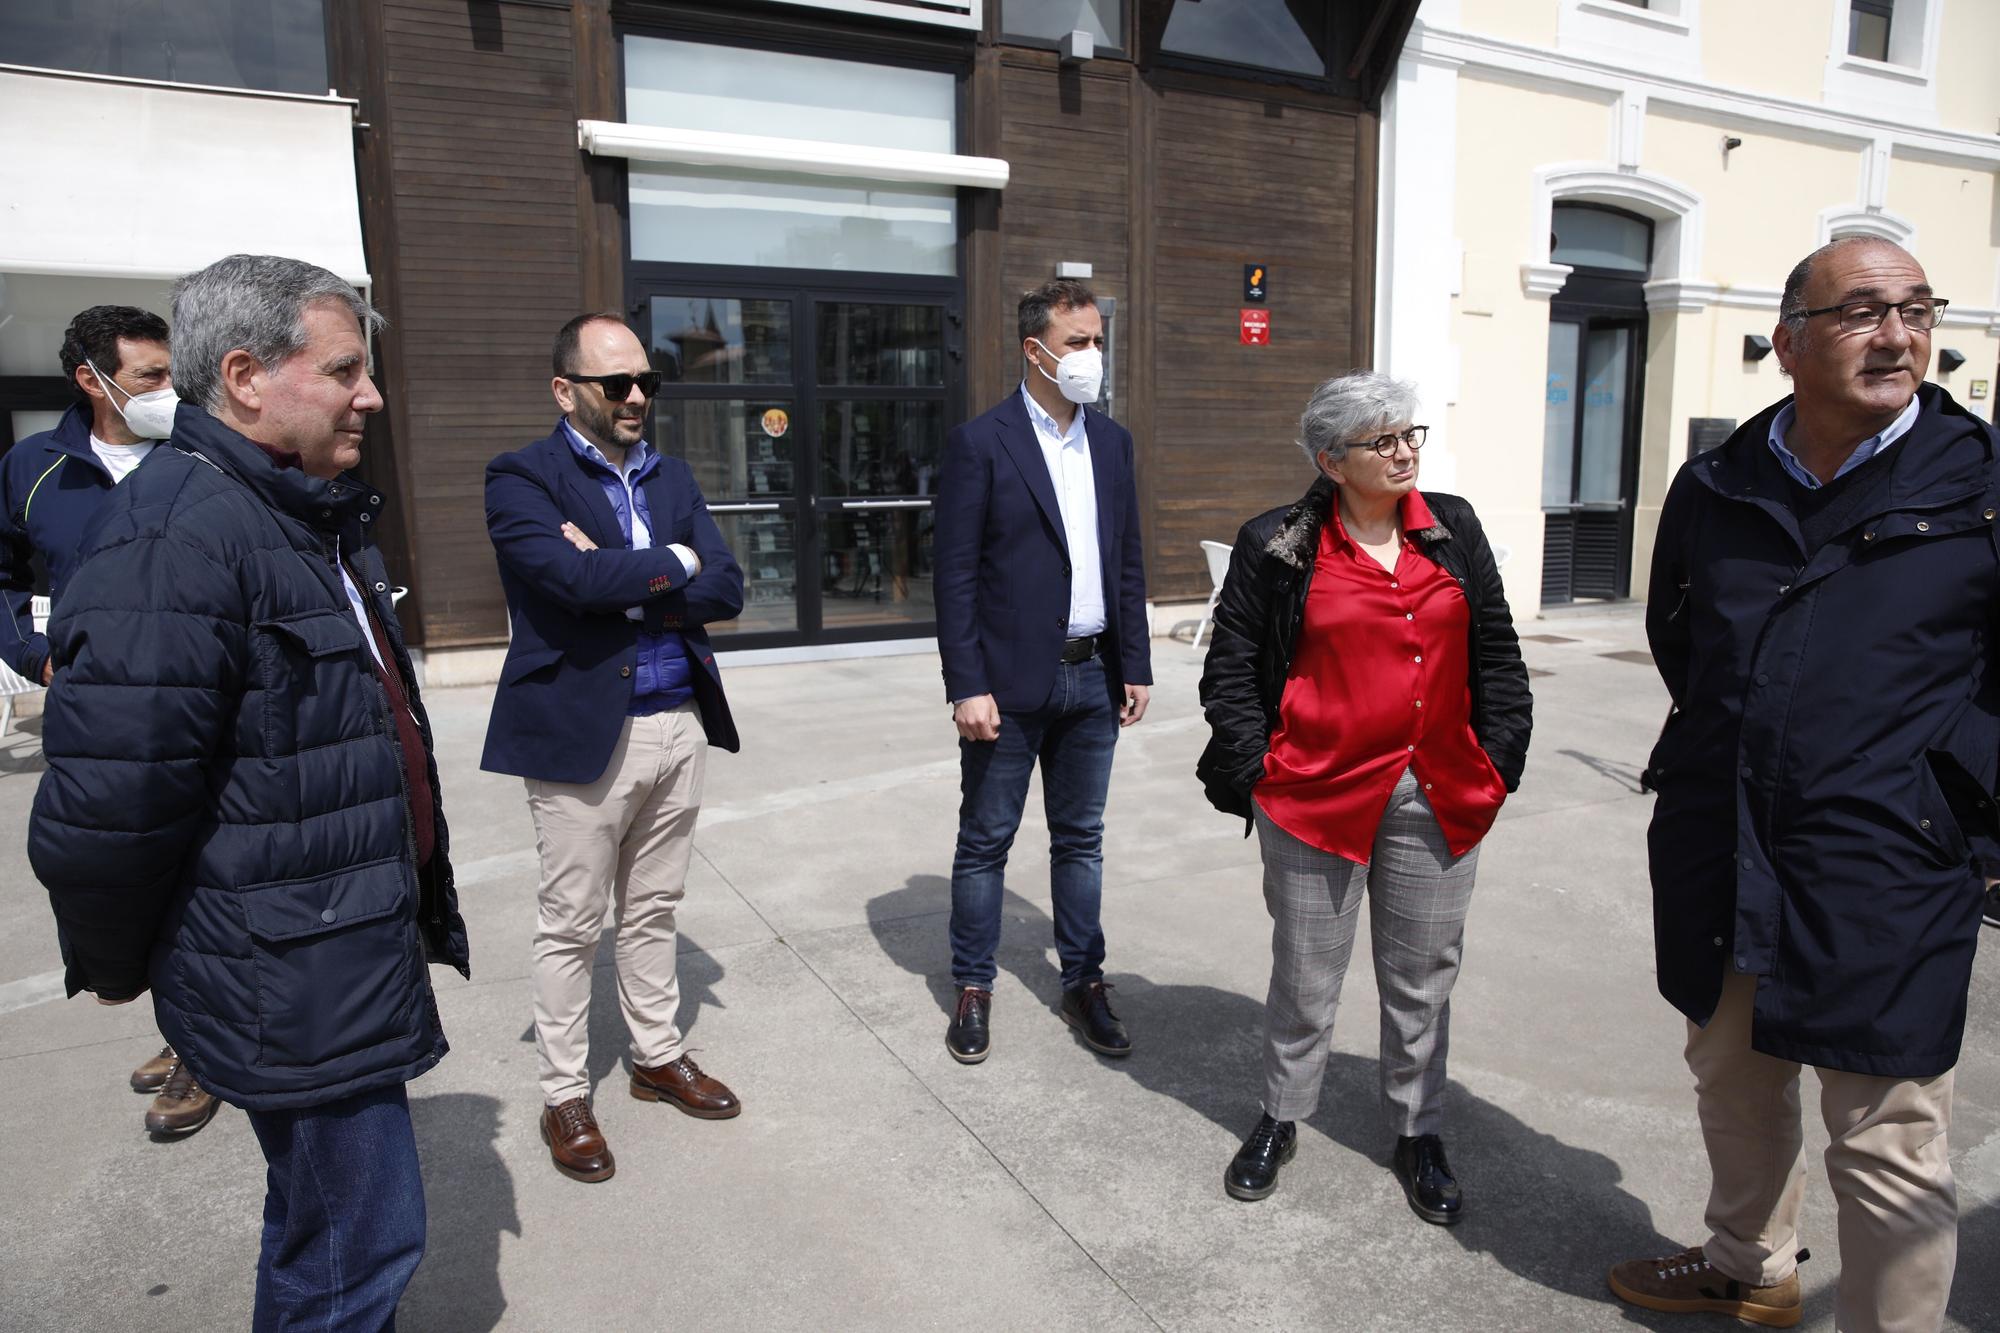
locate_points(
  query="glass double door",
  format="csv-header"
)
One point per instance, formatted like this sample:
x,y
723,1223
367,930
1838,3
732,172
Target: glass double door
x,y
1590,453
814,421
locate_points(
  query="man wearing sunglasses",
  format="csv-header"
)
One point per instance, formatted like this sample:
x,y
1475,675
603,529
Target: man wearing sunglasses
x,y
608,702
1822,609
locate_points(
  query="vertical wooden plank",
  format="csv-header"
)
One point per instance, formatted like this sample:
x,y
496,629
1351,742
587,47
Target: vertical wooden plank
x,y
600,185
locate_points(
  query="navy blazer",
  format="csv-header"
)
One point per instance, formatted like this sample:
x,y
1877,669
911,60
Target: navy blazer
x,y
567,680
1002,562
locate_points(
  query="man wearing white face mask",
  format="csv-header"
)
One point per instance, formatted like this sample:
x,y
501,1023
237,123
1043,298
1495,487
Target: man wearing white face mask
x,y
1041,603
115,358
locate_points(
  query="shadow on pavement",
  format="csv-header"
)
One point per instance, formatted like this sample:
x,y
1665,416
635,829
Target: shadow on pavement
x,y
469,1199
1548,1212
697,972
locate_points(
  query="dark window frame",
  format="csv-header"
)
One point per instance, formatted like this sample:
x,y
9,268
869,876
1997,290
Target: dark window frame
x,y
1342,26
1122,50
1882,9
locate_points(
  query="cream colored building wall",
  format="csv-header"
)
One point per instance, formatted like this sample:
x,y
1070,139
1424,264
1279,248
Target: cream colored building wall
x,y
1806,161
1760,202
1968,94
1777,47
1502,338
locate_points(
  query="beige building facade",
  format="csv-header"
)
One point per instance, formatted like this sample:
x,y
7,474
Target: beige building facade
x,y
1588,210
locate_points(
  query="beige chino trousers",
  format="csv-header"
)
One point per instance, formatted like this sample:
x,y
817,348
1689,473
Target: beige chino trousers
x,y
621,843
1897,1205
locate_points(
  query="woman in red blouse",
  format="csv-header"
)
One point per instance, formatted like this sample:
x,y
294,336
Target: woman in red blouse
x,y
1370,712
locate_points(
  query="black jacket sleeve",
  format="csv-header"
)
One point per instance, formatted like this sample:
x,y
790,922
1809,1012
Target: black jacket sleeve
x,y
1506,713
1231,697
1667,589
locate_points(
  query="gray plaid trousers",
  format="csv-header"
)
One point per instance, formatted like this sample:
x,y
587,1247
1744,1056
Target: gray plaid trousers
x,y
1418,896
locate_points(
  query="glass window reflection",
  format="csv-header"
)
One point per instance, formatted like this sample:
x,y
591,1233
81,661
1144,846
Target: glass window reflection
x,y
898,345
736,447
880,448
1287,35
274,45
877,569
711,340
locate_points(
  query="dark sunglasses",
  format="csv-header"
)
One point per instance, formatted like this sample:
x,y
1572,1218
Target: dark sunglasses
x,y
617,388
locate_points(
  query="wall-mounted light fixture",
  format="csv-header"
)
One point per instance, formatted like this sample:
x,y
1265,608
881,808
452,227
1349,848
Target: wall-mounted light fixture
x,y
1730,143
1950,359
1078,47
1755,347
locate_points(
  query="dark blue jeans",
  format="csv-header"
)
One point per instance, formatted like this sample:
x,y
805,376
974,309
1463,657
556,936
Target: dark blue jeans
x,y
343,1214
1073,735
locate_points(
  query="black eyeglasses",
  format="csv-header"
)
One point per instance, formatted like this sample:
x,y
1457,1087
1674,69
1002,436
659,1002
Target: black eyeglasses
x,y
1385,445
617,388
1918,316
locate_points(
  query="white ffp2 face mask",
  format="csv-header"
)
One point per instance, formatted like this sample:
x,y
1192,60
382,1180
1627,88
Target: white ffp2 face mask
x,y
1079,376
150,416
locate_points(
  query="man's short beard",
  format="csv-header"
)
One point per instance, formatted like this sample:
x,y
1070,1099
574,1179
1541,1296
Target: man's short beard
x,y
599,419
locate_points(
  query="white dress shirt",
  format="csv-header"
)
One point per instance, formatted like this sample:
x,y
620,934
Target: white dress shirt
x,y
1781,426
1067,452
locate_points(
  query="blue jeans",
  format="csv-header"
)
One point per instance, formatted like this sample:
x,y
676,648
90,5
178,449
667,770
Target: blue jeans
x,y
343,1214
1073,736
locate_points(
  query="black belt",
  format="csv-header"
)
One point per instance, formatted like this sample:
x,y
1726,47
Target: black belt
x,y
1079,650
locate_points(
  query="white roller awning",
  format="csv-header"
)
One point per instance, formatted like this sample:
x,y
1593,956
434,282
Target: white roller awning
x,y
757,152
123,178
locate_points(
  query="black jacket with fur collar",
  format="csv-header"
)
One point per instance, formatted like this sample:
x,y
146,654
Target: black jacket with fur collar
x,y
1257,623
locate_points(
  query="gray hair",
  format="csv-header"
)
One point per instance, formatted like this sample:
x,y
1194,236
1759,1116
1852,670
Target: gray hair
x,y
256,303
1353,405
1792,305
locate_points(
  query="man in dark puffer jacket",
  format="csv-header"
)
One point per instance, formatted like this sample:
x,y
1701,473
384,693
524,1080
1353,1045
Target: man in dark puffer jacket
x,y
241,809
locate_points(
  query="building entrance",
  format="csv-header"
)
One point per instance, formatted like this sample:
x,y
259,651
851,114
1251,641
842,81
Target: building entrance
x,y
813,415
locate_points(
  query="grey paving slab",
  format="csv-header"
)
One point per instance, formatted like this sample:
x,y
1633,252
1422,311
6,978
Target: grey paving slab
x,y
873,1183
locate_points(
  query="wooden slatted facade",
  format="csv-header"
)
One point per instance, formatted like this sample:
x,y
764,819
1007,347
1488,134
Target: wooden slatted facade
x,y
487,227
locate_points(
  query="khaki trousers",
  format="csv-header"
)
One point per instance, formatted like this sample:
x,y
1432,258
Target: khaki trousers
x,y
1897,1204
623,843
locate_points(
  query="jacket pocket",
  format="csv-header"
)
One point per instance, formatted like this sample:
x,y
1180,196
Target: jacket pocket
x,y
318,633
519,666
334,958
1937,826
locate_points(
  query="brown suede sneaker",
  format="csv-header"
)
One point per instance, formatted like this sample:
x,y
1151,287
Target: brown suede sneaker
x,y
183,1105
682,1084
576,1144
1685,1284
152,1076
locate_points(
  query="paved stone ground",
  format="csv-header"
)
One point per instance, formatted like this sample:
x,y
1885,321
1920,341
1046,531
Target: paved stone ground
x,y
873,1183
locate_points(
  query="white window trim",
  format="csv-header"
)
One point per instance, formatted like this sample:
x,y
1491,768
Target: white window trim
x,y
1664,38
1857,220
968,14
763,152
1676,213
1903,88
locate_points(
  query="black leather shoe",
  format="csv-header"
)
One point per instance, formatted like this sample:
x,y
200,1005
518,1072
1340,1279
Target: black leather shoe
x,y
1253,1172
1990,914
1087,1008
1427,1180
968,1037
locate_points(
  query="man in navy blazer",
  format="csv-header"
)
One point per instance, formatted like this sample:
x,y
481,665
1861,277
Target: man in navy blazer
x,y
608,702
1041,603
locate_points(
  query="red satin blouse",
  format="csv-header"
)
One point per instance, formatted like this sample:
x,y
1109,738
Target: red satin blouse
x,y
1378,684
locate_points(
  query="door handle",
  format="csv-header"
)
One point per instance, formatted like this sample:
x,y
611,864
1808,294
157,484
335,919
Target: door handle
x,y
885,504
753,508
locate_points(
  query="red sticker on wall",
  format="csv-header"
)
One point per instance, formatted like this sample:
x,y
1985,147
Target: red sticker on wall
x,y
1256,328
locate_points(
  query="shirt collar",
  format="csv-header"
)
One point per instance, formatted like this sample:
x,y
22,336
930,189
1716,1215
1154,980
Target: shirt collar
x,y
1047,425
636,457
1781,425
1411,511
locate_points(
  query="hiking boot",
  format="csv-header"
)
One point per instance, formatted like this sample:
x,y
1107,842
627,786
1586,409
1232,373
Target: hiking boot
x,y
1685,1284
183,1105
152,1076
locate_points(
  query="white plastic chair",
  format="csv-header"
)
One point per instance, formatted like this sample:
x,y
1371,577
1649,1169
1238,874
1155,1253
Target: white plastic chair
x,y
11,683
1218,570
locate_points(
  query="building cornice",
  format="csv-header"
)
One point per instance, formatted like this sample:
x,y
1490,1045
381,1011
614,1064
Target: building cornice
x,y
1476,51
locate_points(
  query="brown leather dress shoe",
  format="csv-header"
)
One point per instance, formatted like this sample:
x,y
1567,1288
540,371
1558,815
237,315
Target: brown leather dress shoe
x,y
576,1144
683,1084
152,1076
183,1105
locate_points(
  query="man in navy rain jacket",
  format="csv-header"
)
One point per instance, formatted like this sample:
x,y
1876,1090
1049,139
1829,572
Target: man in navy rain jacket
x,y
1823,610
608,702
241,809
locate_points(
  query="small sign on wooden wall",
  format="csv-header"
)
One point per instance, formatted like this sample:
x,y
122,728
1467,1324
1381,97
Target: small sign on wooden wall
x,y
1256,287
1256,328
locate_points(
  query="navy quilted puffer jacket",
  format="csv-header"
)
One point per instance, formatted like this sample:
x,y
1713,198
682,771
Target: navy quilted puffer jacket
x,y
224,815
